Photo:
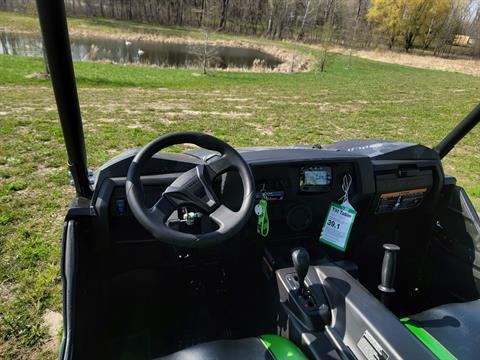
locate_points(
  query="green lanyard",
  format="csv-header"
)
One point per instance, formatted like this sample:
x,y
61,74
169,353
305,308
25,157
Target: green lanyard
x,y
263,225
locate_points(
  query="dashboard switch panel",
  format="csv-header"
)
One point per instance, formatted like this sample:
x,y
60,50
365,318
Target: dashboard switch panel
x,y
121,207
270,195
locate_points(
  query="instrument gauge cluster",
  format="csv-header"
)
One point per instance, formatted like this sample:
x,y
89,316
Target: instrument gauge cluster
x,y
315,178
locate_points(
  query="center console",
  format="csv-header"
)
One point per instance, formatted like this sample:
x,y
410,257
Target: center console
x,y
331,315
304,297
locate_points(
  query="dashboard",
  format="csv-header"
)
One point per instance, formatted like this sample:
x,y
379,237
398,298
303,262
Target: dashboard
x,y
298,182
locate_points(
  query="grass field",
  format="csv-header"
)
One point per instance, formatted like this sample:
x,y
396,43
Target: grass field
x,y
126,106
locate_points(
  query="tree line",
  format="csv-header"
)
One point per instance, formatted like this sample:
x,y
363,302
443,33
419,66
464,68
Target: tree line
x,y
445,27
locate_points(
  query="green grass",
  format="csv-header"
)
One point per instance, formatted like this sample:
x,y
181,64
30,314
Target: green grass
x,y
126,106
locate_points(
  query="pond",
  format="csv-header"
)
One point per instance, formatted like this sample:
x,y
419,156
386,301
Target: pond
x,y
141,51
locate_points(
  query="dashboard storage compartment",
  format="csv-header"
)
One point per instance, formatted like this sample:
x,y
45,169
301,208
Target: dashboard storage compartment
x,y
402,189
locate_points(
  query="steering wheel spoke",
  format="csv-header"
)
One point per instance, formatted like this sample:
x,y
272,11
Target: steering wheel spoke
x,y
223,217
193,188
219,165
162,209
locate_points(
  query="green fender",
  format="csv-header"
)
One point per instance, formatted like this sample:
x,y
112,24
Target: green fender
x,y
281,348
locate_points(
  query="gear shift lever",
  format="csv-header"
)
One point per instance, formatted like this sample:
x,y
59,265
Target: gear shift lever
x,y
301,262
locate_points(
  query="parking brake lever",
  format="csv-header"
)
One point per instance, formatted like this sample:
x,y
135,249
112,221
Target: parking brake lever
x,y
389,270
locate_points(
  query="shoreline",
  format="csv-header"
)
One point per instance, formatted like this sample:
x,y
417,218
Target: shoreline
x,y
301,62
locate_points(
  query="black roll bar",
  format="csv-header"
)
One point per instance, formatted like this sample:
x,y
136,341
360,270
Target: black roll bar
x,y
457,134
56,42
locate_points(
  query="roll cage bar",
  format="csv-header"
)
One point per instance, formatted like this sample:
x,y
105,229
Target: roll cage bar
x,y
53,23
56,42
458,132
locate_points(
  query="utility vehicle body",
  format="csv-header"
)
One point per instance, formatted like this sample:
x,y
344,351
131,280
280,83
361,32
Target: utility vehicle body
x,y
170,255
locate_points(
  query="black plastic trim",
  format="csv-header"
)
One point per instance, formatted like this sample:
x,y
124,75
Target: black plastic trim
x,y
68,274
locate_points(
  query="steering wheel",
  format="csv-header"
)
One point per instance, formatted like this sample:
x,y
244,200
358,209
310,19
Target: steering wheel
x,y
193,189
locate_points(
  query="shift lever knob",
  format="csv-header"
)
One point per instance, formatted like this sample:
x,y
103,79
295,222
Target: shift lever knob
x,y
301,262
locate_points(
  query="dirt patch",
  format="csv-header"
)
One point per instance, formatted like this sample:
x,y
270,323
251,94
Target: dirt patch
x,y
105,120
53,321
47,171
236,99
343,108
41,76
261,129
19,110
5,292
230,114
137,125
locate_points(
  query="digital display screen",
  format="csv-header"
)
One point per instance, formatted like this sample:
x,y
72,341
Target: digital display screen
x,y
315,178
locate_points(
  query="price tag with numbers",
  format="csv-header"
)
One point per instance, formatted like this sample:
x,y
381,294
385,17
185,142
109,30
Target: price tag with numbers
x,y
338,225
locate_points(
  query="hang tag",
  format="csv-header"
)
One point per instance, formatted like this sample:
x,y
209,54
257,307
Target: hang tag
x,y
347,204
263,225
337,226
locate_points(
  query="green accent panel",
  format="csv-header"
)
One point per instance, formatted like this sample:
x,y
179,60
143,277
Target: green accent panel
x,y
263,226
281,348
428,340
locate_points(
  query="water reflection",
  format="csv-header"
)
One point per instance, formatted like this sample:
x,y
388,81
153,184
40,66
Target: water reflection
x,y
148,52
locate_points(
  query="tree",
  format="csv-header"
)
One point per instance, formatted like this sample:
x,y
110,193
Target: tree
x,y
475,33
415,18
326,39
454,24
436,20
410,19
387,14
205,55
354,32
423,23
301,32
223,15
